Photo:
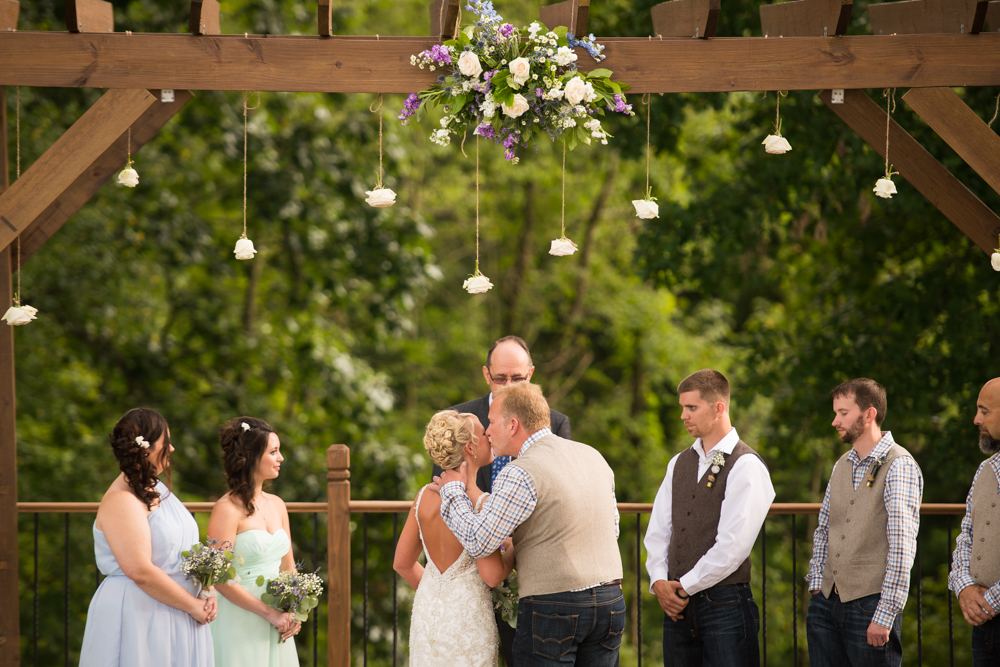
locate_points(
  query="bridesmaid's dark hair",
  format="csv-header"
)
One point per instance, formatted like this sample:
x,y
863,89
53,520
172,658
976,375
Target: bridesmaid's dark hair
x,y
242,450
135,461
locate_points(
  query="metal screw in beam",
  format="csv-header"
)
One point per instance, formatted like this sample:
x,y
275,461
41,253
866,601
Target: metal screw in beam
x,y
696,32
962,29
824,32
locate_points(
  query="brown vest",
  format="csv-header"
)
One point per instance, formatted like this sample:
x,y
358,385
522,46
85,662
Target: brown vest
x,y
985,563
695,514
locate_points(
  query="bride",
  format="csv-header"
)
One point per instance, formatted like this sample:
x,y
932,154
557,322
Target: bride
x,y
452,621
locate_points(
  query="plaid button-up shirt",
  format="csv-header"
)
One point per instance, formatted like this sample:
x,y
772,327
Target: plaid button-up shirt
x,y
961,576
904,486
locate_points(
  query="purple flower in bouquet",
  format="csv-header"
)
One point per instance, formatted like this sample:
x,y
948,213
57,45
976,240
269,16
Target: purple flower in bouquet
x,y
292,592
410,108
486,131
620,106
506,30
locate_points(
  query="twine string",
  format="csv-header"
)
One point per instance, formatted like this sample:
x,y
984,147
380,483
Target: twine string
x,y
995,112
477,202
17,114
562,213
890,106
777,110
128,151
246,98
646,100
378,110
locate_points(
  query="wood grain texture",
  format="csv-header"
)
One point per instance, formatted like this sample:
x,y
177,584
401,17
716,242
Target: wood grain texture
x,y
324,18
69,158
961,128
806,18
9,10
89,16
204,18
574,14
993,16
919,167
686,18
107,165
444,19
921,17
338,522
365,65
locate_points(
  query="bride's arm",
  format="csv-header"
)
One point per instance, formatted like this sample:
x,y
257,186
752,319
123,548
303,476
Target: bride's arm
x,y
408,550
496,567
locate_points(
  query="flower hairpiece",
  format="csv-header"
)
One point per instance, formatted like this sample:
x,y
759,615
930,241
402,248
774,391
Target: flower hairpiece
x,y
246,427
141,442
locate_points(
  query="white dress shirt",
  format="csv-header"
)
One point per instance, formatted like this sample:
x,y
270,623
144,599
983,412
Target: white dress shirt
x,y
749,494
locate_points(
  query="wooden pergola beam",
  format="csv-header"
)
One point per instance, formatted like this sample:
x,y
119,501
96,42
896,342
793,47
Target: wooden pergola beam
x,y
204,17
9,9
573,14
918,167
801,18
66,204
686,18
68,159
366,65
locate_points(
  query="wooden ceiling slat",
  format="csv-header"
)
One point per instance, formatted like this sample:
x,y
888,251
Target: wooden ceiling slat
x,y
806,18
95,16
686,18
573,14
9,9
204,17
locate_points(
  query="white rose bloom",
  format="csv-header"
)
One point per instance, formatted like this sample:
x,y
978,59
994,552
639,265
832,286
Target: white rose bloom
x,y
469,65
562,247
589,94
380,197
521,69
244,249
477,284
519,107
564,56
647,210
776,144
575,90
16,316
995,261
884,188
128,177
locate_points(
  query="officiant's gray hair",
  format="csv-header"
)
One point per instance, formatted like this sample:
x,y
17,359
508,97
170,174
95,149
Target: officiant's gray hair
x,y
526,402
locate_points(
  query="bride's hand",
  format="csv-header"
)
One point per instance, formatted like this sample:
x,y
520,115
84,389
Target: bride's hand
x,y
292,631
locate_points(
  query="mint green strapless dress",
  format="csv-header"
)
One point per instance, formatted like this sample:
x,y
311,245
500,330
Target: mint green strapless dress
x,y
242,638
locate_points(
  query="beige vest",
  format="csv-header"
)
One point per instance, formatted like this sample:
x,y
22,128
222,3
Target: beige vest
x,y
858,543
985,563
569,540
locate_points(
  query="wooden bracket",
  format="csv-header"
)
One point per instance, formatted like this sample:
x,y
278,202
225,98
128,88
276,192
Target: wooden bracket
x,y
204,18
89,16
444,19
324,18
922,17
806,18
918,167
993,16
571,13
9,9
686,18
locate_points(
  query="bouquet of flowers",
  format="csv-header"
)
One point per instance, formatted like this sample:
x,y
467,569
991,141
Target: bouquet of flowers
x,y
210,563
510,84
295,593
505,599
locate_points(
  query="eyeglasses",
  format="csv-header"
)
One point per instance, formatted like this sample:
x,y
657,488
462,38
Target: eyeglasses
x,y
503,379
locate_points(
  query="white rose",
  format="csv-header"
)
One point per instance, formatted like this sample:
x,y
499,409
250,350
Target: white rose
x,y
469,65
884,188
564,56
244,249
647,210
380,197
477,284
521,69
995,261
776,144
562,247
519,107
576,90
128,177
16,316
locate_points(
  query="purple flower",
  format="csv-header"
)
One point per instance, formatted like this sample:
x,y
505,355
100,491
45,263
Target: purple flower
x,y
620,106
509,154
410,107
506,30
486,131
538,92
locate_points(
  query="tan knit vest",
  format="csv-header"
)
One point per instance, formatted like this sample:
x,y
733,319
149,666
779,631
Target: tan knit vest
x,y
695,513
569,540
985,564
858,543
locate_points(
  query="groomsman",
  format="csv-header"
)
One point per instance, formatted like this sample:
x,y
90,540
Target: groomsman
x,y
864,545
975,570
705,520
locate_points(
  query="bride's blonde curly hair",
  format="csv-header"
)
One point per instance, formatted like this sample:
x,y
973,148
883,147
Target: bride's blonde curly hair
x,y
448,432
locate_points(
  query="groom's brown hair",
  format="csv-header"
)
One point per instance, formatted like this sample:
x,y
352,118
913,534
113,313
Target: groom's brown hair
x,y
526,402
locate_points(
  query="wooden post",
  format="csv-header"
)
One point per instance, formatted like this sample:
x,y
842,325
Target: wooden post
x,y
338,531
10,632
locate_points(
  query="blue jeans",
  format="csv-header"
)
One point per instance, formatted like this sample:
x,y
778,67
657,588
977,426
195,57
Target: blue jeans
x,y
583,628
986,645
719,628
838,634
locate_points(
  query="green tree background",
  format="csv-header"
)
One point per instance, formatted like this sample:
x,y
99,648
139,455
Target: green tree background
x,y
350,325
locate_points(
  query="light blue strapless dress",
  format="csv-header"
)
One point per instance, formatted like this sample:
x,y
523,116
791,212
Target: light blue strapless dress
x,y
242,638
128,628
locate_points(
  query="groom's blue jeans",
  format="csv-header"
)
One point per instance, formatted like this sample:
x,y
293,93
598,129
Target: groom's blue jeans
x,y
583,628
719,628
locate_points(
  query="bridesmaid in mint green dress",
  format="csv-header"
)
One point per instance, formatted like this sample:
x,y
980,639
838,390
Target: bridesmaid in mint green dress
x,y
247,631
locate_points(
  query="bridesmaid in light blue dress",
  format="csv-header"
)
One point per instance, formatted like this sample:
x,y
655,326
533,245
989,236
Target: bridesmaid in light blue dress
x,y
145,613
248,631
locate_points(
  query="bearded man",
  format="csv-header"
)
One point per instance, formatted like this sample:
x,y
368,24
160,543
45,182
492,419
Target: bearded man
x,y
864,545
975,571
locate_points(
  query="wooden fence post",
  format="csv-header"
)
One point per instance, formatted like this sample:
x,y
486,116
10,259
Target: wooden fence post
x,y
338,518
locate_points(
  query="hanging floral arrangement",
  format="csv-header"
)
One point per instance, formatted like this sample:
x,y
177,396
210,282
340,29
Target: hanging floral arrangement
x,y
510,85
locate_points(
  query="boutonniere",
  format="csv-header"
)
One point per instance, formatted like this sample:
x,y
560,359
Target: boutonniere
x,y
879,462
718,461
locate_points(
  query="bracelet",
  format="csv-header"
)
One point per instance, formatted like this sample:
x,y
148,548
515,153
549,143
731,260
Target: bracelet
x,y
683,597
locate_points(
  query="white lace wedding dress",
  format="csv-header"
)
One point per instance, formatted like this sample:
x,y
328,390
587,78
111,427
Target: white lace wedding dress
x,y
452,623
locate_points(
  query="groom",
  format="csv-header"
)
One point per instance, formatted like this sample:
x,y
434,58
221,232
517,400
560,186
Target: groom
x,y
570,610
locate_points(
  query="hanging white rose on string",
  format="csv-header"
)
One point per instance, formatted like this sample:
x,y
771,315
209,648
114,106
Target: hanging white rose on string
x,y
884,187
646,208
380,196
775,144
244,248
477,283
562,246
995,258
128,176
18,315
